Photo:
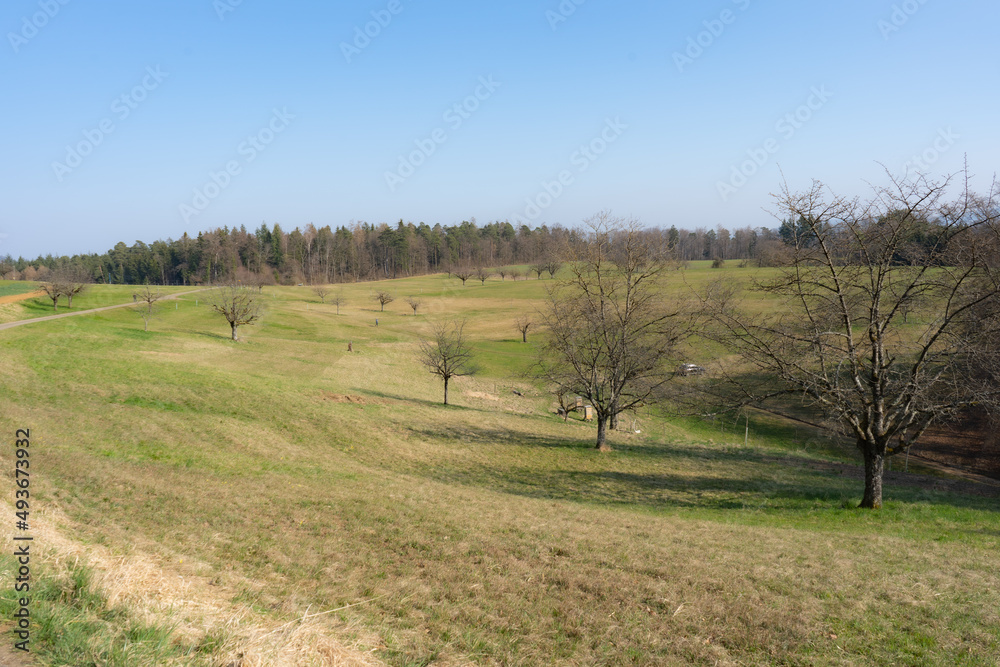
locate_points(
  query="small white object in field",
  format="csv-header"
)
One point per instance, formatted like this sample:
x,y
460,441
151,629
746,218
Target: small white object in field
x,y
638,431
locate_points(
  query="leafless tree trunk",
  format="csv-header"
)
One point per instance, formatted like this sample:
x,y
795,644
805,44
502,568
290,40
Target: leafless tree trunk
x,y
836,331
147,307
522,324
383,298
54,290
321,291
609,331
239,304
448,354
338,301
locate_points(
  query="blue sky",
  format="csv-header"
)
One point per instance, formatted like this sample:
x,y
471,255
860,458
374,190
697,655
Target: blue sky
x,y
130,121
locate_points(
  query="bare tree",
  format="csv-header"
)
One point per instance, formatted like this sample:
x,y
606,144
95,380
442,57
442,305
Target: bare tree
x,y
71,281
54,290
515,274
338,300
503,272
74,286
836,334
448,354
383,298
609,333
413,303
462,274
483,274
239,304
538,268
552,267
147,306
522,324
321,291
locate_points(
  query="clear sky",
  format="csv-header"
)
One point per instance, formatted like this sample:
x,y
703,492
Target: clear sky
x,y
127,121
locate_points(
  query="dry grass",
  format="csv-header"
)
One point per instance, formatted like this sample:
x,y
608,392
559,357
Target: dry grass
x,y
327,507
198,605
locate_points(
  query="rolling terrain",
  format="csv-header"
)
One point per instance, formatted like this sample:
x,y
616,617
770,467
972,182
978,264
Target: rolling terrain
x,y
282,501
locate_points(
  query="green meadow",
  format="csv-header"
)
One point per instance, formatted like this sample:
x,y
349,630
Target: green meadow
x,y
282,501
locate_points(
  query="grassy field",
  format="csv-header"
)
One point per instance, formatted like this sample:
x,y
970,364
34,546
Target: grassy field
x,y
281,501
40,306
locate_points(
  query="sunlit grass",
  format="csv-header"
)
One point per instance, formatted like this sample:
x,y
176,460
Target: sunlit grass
x,y
490,530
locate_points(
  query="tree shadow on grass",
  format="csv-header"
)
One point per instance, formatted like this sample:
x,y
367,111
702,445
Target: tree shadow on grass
x,y
772,481
413,401
206,334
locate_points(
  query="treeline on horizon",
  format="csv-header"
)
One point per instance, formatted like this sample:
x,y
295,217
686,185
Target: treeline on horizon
x,y
365,252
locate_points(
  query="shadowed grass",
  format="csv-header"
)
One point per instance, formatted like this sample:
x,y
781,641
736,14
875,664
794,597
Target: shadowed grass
x,y
489,531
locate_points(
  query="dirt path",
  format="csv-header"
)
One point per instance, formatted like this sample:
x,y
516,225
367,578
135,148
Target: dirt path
x,y
14,298
11,325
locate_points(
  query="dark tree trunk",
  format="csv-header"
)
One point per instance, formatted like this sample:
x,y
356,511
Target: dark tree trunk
x,y
602,434
234,330
446,391
873,478
524,336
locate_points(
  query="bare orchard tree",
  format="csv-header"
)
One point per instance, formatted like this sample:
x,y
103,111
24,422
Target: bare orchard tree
x,y
881,317
413,303
147,306
239,304
538,268
610,334
383,298
74,282
522,324
552,267
448,354
462,274
53,290
503,272
515,274
483,274
321,291
338,300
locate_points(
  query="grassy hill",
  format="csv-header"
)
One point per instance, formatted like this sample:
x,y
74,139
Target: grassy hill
x,y
285,501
